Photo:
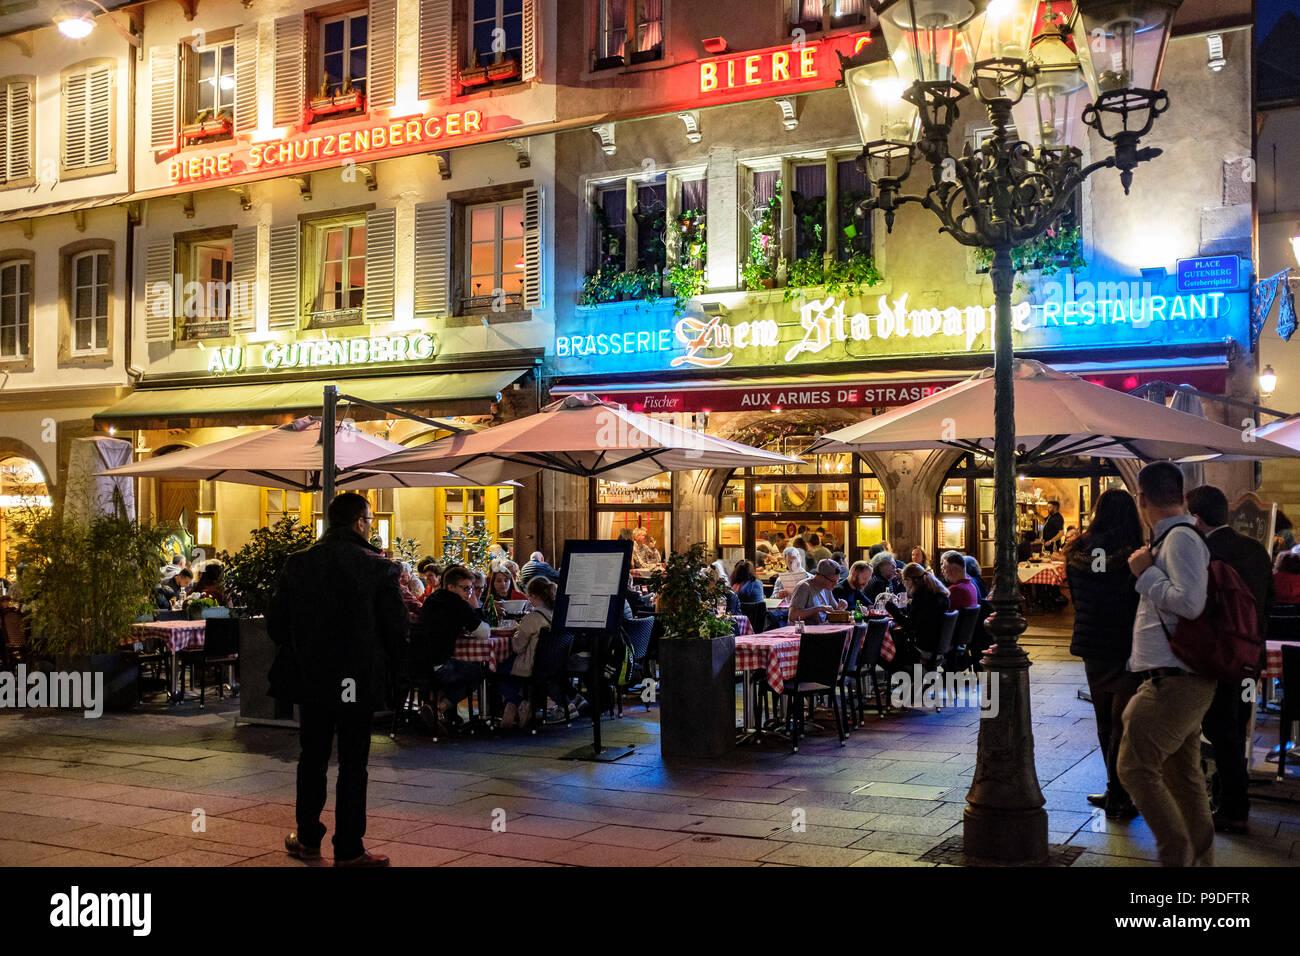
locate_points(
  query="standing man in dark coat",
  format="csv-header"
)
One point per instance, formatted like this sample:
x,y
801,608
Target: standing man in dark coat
x,y
338,620
1226,722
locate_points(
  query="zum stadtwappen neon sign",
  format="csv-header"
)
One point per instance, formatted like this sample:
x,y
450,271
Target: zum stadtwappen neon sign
x,y
319,353
823,324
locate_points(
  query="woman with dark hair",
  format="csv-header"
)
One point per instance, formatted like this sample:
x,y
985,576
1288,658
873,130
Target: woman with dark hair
x,y
1286,578
926,606
1105,598
209,584
747,587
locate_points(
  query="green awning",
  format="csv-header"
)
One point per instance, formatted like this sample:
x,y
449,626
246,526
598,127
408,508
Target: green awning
x,y
147,405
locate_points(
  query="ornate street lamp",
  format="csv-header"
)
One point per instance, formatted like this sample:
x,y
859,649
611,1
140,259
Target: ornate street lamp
x,y
1057,67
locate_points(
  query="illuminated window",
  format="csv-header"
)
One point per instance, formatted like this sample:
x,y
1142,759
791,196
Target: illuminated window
x,y
616,20
205,261
214,80
494,275
338,249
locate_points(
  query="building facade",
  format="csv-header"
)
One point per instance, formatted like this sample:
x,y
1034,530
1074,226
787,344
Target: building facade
x,y
724,158
467,208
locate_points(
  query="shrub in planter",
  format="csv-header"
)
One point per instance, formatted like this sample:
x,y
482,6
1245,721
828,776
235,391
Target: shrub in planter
x,y
84,584
697,659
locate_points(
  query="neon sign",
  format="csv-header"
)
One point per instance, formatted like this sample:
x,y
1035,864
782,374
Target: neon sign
x,y
1069,316
317,353
798,66
356,142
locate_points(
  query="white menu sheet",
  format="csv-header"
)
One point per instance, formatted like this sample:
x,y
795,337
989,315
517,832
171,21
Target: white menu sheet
x,y
593,580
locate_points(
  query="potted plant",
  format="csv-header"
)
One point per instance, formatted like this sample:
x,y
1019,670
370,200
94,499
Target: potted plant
x,y
343,100
206,125
760,268
252,574
697,659
84,583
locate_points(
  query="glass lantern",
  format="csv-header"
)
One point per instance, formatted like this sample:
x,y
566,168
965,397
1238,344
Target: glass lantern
x,y
883,115
1001,43
1121,43
1051,116
929,40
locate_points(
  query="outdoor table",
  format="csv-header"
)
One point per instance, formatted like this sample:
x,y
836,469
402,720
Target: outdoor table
x,y
1273,661
490,650
743,624
1045,572
776,652
177,636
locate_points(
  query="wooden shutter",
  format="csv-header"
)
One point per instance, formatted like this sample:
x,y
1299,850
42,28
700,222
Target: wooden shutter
x,y
433,257
290,79
75,87
16,132
159,266
436,49
243,278
246,77
162,97
381,238
381,64
534,223
282,311
99,132
530,54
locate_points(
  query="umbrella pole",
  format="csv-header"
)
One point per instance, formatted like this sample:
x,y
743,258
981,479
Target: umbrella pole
x,y
329,413
1004,820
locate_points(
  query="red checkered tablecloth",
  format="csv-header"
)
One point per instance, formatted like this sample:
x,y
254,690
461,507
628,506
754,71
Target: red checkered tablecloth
x,y
177,635
743,625
1273,666
490,650
778,656
1049,573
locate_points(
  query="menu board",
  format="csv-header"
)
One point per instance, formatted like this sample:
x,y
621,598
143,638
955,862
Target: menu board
x,y
1254,519
593,579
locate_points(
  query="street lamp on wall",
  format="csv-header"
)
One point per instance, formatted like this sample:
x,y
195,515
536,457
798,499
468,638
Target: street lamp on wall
x,y
1267,382
1057,67
76,20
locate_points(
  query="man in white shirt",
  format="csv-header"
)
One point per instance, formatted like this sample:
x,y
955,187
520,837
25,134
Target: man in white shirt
x,y
1160,753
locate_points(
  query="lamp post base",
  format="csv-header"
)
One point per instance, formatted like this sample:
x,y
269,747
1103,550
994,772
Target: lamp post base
x,y
1005,822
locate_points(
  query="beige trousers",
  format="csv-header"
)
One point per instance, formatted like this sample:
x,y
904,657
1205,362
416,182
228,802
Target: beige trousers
x,y
1160,766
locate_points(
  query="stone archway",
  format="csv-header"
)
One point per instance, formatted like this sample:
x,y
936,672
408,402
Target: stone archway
x,y
16,448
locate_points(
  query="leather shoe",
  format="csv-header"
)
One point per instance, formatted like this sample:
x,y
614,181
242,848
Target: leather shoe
x,y
366,859
1121,811
296,848
1097,799
1231,824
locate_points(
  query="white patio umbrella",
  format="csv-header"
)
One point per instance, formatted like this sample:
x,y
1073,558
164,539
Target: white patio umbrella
x,y
580,435
288,456
1285,431
1057,414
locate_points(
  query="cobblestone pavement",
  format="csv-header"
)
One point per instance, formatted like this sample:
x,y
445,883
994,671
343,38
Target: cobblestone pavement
x,y
125,790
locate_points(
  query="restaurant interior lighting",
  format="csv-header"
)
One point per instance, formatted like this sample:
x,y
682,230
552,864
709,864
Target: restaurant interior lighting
x,y
1295,245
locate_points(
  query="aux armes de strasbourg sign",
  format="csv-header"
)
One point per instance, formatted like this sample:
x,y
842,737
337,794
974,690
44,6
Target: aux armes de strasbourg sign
x,y
1064,316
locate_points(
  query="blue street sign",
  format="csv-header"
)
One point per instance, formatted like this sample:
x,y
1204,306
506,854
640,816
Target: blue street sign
x,y
1205,273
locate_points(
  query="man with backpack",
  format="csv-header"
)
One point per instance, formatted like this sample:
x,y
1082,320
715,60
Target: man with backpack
x,y
1226,722
1160,754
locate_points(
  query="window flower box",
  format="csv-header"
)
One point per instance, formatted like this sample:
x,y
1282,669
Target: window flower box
x,y
206,128
503,69
352,100
607,63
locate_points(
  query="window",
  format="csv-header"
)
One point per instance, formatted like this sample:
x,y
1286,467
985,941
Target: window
x,y
214,78
610,210
622,507
340,257
617,20
649,202
495,255
808,199
15,308
88,119
16,162
206,264
490,16
852,187
343,53
651,214
812,16
89,298
462,511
